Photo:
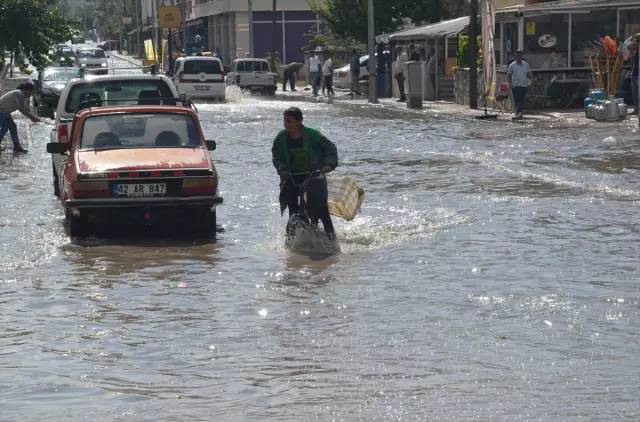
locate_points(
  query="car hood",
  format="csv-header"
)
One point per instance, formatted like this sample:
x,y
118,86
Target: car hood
x,y
142,159
56,86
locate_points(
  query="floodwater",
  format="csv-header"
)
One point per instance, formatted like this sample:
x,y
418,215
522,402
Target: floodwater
x,y
493,274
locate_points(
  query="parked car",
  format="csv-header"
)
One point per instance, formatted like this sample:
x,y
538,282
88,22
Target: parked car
x,y
137,165
93,58
96,91
51,83
254,75
65,55
199,77
342,76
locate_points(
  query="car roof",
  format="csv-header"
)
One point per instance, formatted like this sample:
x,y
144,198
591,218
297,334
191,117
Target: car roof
x,y
250,59
124,77
199,58
135,109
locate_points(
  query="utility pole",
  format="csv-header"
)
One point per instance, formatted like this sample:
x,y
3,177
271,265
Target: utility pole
x,y
139,21
273,30
473,55
373,94
250,9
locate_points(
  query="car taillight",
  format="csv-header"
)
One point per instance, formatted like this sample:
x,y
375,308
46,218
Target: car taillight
x,y
200,186
91,189
63,133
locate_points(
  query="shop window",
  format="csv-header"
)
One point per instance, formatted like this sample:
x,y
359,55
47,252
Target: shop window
x,y
509,44
546,41
586,31
629,22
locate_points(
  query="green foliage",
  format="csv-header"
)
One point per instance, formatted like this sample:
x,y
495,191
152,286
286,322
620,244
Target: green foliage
x,y
348,18
463,59
32,28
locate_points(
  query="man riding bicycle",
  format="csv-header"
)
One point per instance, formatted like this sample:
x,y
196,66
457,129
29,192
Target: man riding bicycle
x,y
299,153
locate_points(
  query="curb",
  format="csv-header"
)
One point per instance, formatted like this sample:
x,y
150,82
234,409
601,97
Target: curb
x,y
127,59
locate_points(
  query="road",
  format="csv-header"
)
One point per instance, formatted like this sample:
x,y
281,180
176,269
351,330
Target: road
x,y
491,275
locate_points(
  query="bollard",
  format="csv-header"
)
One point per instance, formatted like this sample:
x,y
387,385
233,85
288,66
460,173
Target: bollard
x,y
414,82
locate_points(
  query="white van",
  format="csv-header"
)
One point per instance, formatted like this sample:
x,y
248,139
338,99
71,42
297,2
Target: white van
x,y
199,77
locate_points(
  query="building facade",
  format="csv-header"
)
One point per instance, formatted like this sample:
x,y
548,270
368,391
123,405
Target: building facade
x,y
279,26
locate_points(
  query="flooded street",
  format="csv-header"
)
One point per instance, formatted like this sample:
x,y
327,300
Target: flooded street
x,y
492,274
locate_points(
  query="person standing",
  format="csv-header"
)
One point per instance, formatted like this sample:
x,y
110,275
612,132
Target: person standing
x,y
354,71
327,75
413,54
634,78
315,71
297,152
518,76
398,72
290,75
431,71
17,99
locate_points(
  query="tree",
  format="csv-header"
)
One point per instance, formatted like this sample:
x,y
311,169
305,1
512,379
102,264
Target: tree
x,y
32,28
348,18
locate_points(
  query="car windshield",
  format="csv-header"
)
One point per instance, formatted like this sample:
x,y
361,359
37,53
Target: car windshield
x,y
140,130
252,66
91,54
202,66
61,74
118,92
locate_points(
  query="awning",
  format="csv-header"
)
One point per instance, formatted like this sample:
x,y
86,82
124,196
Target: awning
x,y
567,6
195,22
440,29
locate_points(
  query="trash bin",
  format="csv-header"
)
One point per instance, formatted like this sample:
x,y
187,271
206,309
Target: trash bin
x,y
414,84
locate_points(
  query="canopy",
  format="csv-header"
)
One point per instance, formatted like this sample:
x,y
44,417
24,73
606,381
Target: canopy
x,y
440,29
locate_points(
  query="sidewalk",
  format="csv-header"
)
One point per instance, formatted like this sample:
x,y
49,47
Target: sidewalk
x,y
571,117
124,57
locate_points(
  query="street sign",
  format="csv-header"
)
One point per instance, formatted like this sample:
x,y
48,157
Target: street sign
x,y
170,17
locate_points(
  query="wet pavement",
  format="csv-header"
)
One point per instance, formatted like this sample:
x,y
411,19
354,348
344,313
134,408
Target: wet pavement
x,y
491,275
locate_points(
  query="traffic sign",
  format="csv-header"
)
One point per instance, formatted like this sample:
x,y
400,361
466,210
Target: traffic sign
x,y
170,17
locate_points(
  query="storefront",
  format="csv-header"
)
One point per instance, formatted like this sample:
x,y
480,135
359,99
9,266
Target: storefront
x,y
557,40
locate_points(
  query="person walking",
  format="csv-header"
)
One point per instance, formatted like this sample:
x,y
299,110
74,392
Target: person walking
x,y
315,72
297,152
518,76
290,74
431,71
398,71
354,71
414,56
327,76
17,99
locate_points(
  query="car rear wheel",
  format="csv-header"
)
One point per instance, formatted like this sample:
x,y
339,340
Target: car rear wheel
x,y
78,225
205,221
56,184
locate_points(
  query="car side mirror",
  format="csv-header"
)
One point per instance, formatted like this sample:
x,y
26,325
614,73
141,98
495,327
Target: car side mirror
x,y
57,147
211,145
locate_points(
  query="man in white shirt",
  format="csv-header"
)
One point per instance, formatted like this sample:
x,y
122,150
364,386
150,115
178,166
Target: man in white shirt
x,y
518,76
315,70
398,71
17,99
327,76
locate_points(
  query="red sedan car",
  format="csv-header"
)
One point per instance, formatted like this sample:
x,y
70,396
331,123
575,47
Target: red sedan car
x,y
137,165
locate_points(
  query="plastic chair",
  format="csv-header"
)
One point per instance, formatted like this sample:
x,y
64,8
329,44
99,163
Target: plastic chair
x,y
504,102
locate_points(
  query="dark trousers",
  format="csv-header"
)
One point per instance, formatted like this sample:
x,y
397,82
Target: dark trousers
x,y
7,124
519,95
328,84
635,93
400,80
315,82
317,196
290,77
355,83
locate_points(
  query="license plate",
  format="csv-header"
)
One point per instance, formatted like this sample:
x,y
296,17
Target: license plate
x,y
202,88
139,189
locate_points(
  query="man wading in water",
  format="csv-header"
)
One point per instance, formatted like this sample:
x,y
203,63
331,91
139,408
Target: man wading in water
x,y
297,152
